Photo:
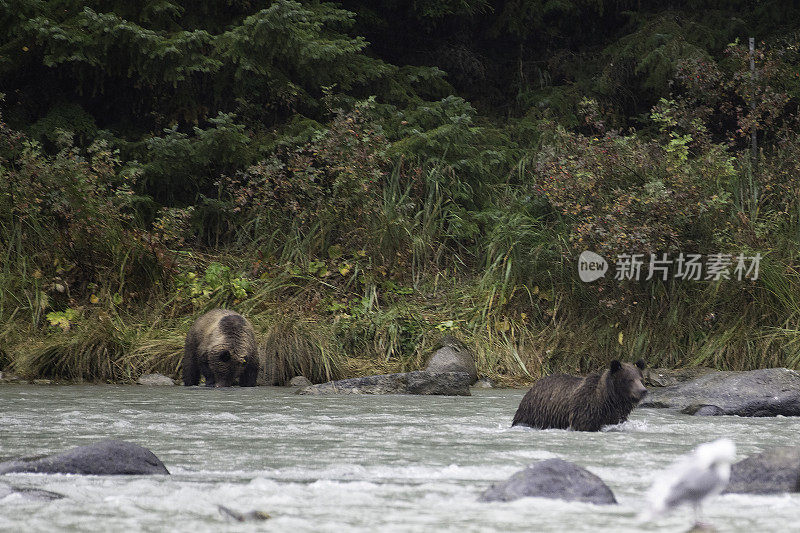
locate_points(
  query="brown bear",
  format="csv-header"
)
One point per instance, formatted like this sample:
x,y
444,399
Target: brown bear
x,y
583,404
221,346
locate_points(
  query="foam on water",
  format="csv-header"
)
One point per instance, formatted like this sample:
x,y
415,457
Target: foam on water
x,y
352,463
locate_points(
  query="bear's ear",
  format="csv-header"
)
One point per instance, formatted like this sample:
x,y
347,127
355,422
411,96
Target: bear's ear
x,y
615,366
641,364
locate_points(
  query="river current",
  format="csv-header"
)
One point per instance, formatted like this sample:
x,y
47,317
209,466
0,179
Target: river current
x,y
352,463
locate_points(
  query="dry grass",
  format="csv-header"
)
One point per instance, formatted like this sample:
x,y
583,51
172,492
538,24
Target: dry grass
x,y
298,347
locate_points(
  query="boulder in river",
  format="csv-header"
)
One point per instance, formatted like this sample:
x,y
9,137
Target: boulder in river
x,y
555,479
702,410
419,382
104,458
453,356
773,471
765,392
155,379
666,377
299,381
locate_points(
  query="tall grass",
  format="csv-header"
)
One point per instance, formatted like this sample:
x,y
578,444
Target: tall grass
x,y
298,348
511,343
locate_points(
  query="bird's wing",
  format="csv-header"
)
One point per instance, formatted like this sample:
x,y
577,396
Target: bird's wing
x,y
694,486
665,482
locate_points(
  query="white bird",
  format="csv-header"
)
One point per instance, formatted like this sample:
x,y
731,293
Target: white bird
x,y
692,480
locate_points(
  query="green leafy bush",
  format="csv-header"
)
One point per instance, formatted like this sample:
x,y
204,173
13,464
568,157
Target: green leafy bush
x,y
217,284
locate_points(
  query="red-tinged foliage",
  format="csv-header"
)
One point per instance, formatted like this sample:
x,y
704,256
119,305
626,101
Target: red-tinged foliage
x,y
335,180
627,195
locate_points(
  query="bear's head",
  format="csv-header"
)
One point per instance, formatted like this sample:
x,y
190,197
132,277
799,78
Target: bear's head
x,y
225,364
628,380
226,357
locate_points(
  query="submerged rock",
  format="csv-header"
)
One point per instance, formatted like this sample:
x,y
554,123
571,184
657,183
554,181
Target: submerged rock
x,y
484,383
104,458
299,381
772,471
765,392
155,380
555,479
420,382
701,527
243,517
453,356
29,493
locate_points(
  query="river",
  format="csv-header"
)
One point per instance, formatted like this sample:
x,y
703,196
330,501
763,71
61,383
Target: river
x,y
352,463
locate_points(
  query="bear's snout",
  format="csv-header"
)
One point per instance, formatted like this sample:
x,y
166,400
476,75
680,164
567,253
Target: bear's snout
x,y
639,393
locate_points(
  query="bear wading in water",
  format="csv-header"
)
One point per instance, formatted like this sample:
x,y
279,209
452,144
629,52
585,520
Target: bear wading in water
x,y
221,346
583,404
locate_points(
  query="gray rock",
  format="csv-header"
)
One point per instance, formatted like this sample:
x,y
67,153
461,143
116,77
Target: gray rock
x,y
703,410
666,377
155,380
104,458
765,392
420,382
299,381
29,493
553,478
8,377
773,471
453,356
484,383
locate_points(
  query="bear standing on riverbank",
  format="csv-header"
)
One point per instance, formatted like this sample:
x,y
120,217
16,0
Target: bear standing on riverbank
x,y
583,404
221,346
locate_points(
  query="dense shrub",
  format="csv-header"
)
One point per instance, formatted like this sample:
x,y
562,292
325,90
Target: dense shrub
x,y
328,188
625,194
66,224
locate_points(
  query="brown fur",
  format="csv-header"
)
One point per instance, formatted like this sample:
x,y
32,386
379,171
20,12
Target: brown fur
x,y
583,404
221,346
